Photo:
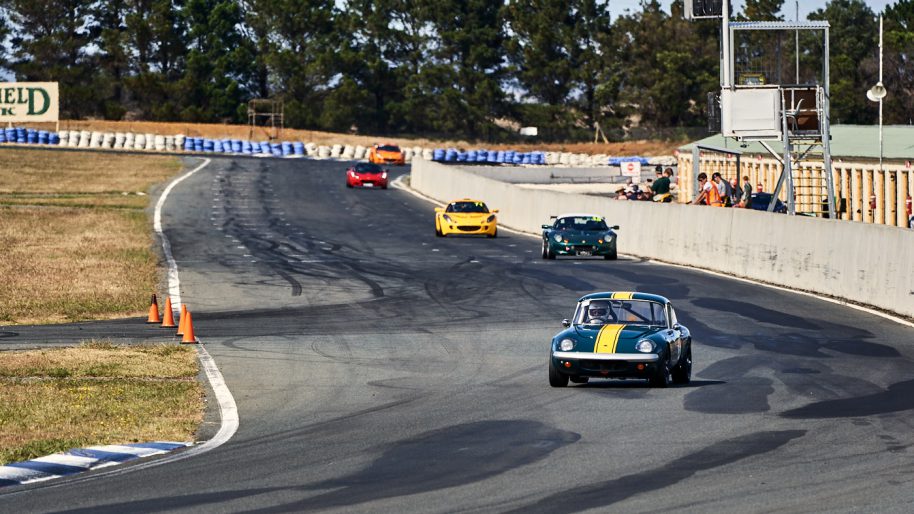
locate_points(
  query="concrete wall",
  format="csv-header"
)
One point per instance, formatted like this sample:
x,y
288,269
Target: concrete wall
x,y
867,264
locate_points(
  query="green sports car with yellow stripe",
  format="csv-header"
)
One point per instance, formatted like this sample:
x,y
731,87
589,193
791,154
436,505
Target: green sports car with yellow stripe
x,y
622,335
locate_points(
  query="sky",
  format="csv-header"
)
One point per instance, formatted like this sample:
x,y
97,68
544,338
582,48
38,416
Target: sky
x,y
617,7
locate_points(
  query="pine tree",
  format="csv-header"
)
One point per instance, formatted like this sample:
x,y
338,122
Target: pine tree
x,y
52,43
853,67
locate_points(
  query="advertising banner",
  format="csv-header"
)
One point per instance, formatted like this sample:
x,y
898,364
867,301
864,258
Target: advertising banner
x,y
29,102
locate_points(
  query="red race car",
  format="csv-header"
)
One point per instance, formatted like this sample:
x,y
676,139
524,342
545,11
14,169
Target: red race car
x,y
365,174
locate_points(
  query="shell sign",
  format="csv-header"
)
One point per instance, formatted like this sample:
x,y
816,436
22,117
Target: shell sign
x,y
29,101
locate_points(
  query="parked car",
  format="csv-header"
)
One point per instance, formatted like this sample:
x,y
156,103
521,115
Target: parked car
x,y
760,202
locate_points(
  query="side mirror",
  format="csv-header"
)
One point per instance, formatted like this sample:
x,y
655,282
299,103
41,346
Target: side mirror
x,y
566,323
677,326
615,227
547,227
439,209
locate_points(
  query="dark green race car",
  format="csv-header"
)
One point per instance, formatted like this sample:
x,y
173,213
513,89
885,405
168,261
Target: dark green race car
x,y
579,235
622,335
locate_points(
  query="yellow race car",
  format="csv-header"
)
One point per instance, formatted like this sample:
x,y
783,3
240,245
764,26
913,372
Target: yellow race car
x,y
466,217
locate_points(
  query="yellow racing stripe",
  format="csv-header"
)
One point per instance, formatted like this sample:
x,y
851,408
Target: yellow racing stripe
x,y
622,296
608,338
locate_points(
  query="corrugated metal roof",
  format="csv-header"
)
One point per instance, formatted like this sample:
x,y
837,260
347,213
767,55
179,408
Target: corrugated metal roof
x,y
847,141
778,25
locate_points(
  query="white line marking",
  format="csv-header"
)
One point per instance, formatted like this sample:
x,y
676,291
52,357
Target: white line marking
x,y
228,410
173,290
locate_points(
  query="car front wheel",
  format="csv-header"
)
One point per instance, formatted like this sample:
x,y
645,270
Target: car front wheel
x,y
682,373
662,377
556,379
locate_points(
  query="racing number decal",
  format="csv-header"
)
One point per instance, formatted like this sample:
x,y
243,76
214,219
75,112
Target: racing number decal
x,y
622,296
608,338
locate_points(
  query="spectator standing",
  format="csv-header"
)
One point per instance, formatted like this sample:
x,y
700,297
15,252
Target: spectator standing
x,y
747,190
736,193
723,188
661,187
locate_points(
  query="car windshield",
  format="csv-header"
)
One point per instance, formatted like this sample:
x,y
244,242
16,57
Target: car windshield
x,y
627,312
364,167
589,223
467,207
389,148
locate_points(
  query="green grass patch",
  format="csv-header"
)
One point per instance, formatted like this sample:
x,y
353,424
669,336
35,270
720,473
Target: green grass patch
x,y
98,393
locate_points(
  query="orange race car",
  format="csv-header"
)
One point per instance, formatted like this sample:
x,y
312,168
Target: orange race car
x,y
386,154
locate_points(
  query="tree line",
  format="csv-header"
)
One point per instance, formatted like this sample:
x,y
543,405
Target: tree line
x,y
457,68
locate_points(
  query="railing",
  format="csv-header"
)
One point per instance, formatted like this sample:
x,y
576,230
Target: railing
x,y
863,192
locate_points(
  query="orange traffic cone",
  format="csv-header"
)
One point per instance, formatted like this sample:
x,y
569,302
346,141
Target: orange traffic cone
x,y
168,317
153,311
189,330
181,320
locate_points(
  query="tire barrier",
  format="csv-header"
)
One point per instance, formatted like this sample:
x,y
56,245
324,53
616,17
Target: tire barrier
x,y
488,157
149,142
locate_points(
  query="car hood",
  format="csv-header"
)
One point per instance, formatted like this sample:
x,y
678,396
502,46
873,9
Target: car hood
x,y
622,338
468,216
581,236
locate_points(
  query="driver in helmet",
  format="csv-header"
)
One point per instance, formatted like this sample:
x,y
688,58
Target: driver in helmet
x,y
597,313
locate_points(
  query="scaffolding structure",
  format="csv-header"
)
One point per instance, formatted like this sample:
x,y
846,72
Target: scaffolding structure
x,y
752,108
268,115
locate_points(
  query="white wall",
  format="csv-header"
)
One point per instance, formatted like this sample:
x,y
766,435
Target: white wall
x,y
868,264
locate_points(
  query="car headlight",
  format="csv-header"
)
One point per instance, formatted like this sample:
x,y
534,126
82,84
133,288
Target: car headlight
x,y
558,238
448,219
384,175
490,219
566,345
644,346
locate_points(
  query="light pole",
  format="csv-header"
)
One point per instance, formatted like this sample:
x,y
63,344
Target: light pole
x,y
877,93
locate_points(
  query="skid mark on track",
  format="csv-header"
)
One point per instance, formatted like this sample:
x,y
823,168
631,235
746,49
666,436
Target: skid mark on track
x,y
601,495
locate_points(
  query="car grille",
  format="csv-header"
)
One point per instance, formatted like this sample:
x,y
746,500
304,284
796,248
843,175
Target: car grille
x,y
604,365
468,228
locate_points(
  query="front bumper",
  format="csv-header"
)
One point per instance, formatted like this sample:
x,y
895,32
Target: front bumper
x,y
456,228
379,159
609,365
355,182
583,249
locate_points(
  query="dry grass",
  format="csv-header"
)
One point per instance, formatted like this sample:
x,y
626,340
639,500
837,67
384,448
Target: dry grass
x,y
66,264
72,245
58,399
101,359
48,171
647,148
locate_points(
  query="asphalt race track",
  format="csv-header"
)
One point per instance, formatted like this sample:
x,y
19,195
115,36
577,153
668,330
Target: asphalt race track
x,y
378,368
